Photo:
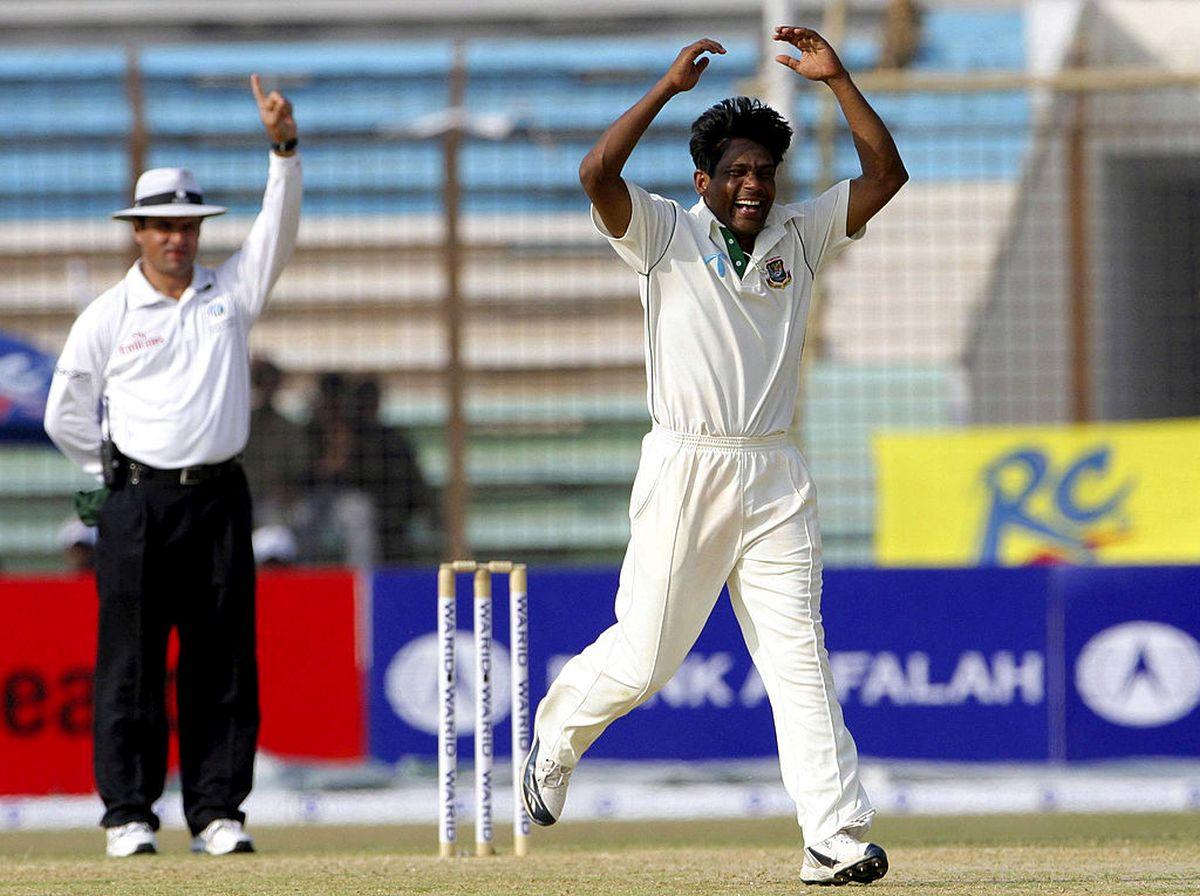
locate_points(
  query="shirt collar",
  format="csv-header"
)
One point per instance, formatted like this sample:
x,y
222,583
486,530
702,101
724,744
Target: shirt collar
x,y
777,217
142,294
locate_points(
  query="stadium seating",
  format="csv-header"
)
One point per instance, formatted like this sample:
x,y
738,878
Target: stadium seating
x,y
556,398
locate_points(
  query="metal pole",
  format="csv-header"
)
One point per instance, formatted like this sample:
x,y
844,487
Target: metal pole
x,y
454,508
779,83
138,139
1074,79
1079,298
1078,262
833,29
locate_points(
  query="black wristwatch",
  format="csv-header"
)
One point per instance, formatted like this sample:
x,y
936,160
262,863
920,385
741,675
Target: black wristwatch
x,y
286,145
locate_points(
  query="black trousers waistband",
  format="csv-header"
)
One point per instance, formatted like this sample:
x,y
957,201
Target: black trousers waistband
x,y
137,472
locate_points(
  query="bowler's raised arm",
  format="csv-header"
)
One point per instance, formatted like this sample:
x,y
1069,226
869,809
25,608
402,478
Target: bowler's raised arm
x,y
600,171
883,172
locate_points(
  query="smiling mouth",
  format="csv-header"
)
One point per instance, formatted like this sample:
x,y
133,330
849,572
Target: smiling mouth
x,y
750,208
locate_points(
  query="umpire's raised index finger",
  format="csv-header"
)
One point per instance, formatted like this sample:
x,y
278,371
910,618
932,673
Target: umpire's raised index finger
x,y
256,88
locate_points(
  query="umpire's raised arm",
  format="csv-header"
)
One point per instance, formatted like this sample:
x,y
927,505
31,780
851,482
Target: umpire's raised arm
x,y
600,171
883,172
268,247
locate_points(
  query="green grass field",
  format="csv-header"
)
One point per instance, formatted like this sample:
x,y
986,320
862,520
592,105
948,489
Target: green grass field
x,y
1111,855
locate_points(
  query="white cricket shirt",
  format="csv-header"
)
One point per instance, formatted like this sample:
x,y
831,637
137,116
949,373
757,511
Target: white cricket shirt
x,y
723,349
175,374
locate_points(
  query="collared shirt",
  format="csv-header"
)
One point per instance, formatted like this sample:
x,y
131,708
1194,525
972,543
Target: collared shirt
x,y
174,374
723,348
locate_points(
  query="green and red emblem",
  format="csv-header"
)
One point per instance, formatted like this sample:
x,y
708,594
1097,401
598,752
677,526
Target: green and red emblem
x,y
778,276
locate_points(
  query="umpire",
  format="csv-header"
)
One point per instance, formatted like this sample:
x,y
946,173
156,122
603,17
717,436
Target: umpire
x,y
152,394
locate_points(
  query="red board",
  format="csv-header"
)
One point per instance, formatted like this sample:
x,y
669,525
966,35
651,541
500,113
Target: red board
x,y
310,681
311,684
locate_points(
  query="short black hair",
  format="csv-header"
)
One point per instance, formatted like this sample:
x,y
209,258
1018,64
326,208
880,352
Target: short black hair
x,y
739,116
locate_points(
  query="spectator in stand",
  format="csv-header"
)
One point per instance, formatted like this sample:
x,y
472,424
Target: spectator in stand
x,y
337,520
78,544
386,468
274,547
276,456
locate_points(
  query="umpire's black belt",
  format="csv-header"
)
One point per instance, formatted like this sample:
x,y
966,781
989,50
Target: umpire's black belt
x,y
139,472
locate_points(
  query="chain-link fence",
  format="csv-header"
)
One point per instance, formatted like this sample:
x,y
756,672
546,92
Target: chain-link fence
x,y
454,359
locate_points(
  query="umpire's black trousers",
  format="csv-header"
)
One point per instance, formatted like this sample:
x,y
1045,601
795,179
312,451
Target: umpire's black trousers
x,y
176,555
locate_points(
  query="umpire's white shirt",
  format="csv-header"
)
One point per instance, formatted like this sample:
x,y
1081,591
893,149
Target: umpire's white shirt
x,y
723,349
175,374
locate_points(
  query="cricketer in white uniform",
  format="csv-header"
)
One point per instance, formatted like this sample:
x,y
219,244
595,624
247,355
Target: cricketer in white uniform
x,y
722,494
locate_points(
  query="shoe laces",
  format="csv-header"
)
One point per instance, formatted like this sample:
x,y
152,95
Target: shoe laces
x,y
843,840
552,774
133,827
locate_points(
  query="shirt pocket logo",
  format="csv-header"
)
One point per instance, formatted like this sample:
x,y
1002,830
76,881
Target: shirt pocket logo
x,y
778,276
219,313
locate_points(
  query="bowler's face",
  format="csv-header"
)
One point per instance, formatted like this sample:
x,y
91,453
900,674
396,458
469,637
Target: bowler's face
x,y
168,245
741,190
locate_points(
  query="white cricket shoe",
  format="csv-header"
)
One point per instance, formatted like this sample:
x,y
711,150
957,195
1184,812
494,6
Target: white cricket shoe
x,y
222,837
543,787
131,839
841,859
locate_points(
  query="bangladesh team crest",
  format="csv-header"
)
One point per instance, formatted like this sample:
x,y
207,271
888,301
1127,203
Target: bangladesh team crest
x,y
778,276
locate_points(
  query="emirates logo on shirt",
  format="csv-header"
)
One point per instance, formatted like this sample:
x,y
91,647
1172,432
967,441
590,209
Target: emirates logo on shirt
x,y
139,341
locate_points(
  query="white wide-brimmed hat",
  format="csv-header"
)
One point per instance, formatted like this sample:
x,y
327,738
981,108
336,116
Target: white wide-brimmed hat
x,y
168,193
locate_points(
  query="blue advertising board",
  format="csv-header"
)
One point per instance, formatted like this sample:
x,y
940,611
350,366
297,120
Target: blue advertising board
x,y
1131,642
930,664
933,664
1061,663
25,375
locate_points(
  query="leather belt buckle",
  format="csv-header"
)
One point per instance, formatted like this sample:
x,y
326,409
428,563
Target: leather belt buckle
x,y
191,475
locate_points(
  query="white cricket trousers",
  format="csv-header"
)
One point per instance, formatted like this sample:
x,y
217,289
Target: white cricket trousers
x,y
708,510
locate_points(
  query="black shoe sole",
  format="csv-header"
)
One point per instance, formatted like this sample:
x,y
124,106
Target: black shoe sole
x,y
145,849
539,814
865,871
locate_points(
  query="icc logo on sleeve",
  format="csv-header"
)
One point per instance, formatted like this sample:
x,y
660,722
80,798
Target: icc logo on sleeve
x,y
1140,674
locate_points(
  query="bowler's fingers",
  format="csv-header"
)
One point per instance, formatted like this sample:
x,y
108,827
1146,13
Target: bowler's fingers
x,y
801,38
704,45
790,61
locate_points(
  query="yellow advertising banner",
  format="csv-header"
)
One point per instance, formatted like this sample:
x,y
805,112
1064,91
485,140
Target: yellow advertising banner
x,y
1104,493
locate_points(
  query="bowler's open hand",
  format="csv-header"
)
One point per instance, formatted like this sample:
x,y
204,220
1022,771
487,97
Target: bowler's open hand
x,y
689,65
817,62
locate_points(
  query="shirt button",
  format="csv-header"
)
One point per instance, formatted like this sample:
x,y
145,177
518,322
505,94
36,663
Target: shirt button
x,y
730,242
